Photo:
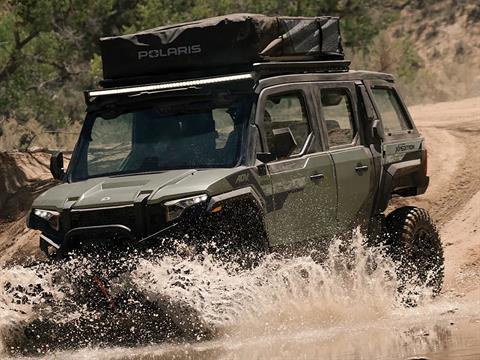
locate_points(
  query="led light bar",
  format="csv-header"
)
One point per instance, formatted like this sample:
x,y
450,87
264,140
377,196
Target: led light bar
x,y
171,85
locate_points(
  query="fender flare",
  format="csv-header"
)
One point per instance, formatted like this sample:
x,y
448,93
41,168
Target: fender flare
x,y
391,177
238,194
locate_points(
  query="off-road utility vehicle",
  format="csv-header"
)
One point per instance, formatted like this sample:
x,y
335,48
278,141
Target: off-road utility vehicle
x,y
246,131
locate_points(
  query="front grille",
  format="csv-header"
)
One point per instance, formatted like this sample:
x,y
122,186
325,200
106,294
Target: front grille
x,y
120,216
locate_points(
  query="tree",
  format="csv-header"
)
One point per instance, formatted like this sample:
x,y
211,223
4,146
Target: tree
x,y
46,46
49,49
362,20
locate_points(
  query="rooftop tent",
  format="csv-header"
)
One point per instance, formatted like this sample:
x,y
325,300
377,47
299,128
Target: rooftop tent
x,y
223,44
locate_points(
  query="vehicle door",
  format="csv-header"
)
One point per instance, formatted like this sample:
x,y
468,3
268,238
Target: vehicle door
x,y
354,168
304,191
400,134
400,141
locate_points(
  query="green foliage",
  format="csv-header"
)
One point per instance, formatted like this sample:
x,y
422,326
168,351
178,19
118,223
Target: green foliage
x,y
410,62
361,19
49,48
46,47
96,67
25,141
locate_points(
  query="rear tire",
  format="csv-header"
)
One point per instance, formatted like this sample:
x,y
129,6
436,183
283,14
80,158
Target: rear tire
x,y
414,244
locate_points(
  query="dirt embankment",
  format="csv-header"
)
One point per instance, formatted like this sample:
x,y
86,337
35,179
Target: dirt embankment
x,y
23,176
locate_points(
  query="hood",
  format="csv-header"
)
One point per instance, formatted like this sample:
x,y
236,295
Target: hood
x,y
118,191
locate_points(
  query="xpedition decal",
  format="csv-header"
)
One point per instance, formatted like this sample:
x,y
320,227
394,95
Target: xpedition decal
x,y
397,151
404,147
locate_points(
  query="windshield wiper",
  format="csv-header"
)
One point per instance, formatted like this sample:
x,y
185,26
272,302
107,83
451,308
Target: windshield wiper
x,y
137,173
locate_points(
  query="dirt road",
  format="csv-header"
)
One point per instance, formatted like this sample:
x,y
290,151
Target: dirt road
x,y
452,130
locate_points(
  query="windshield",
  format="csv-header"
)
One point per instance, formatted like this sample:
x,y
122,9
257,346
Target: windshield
x,y
162,136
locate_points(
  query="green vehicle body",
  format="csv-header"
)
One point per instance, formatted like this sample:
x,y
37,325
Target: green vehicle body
x,y
318,192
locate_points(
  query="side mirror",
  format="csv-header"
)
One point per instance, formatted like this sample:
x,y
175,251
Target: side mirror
x,y
377,130
266,157
56,166
284,142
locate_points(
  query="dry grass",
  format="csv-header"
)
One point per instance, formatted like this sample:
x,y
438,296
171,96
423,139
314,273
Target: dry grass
x,y
453,82
31,135
422,83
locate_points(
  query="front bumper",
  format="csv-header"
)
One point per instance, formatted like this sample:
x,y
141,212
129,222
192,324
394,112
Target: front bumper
x,y
115,228
118,236
141,225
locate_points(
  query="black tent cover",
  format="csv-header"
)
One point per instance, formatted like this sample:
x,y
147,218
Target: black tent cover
x,y
225,42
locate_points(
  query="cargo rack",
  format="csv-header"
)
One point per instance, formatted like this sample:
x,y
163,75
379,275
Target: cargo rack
x,y
272,68
255,72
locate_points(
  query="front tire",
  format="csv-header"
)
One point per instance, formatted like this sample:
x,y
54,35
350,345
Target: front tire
x,y
242,233
414,244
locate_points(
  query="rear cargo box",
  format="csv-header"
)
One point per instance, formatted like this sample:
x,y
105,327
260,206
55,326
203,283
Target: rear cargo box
x,y
231,42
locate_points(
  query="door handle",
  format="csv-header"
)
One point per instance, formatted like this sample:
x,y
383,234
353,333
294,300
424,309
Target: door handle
x,y
317,177
361,168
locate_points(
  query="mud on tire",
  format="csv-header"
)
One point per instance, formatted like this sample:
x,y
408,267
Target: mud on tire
x,y
414,243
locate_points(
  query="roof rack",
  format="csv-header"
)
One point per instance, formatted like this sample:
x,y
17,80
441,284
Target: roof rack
x,y
257,71
152,88
272,68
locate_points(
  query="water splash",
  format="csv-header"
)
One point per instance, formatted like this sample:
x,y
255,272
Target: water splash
x,y
21,290
202,295
354,283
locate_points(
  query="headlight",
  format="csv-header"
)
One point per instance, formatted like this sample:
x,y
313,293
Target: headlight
x,y
52,217
175,208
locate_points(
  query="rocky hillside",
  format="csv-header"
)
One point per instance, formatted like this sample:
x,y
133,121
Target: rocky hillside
x,y
446,38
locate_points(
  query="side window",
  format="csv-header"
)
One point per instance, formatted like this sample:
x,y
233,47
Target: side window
x,y
287,111
393,117
337,112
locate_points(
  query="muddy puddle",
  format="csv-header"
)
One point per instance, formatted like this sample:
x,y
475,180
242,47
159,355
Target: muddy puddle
x,y
382,340
344,308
